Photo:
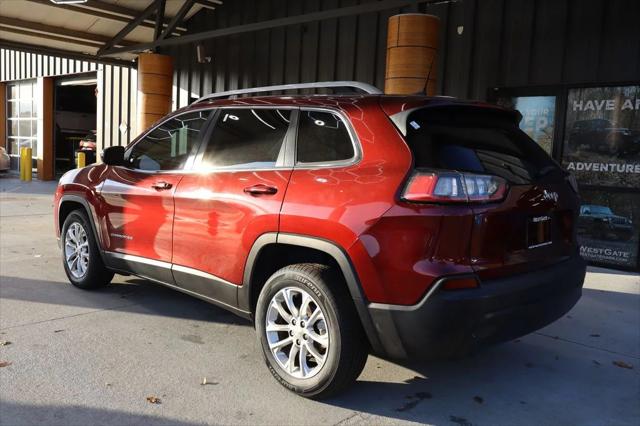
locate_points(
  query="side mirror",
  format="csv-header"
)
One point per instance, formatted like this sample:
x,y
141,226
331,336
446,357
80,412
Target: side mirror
x,y
113,156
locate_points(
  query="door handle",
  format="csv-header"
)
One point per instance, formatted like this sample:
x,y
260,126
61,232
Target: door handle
x,y
260,189
161,186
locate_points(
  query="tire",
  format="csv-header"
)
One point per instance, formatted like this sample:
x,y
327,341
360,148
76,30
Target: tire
x,y
88,272
347,348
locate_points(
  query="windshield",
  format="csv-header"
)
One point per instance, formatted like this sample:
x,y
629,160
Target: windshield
x,y
597,210
476,141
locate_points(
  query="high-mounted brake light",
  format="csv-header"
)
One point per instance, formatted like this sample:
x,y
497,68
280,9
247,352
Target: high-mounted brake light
x,y
443,187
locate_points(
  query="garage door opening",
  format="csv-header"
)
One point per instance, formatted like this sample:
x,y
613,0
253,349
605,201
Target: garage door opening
x,y
74,121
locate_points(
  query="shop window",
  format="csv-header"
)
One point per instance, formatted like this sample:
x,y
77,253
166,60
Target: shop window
x,y
22,120
538,117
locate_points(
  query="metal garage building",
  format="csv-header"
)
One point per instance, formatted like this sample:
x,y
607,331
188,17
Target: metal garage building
x,y
555,60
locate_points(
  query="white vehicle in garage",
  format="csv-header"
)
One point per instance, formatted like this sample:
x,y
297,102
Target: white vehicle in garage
x,y
4,160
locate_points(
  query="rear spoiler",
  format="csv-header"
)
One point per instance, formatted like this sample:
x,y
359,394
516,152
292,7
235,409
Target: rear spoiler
x,y
400,119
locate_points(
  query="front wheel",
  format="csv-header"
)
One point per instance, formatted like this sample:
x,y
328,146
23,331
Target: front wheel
x,y
80,256
311,336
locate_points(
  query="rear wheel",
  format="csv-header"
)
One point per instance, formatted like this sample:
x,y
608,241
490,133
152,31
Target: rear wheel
x,y
311,336
80,256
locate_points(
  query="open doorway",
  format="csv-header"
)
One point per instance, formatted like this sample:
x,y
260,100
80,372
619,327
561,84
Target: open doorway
x,y
74,120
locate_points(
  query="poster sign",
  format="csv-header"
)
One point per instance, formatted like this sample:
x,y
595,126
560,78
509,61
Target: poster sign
x,y
602,136
608,231
538,118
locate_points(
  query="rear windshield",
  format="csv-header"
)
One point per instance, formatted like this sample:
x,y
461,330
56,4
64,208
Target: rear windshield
x,y
477,141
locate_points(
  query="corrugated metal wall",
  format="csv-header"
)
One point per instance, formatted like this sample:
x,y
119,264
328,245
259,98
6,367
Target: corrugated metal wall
x,y
484,44
117,105
117,89
21,65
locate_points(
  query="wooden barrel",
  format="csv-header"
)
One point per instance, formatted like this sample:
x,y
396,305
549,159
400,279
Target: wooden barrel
x,y
155,79
412,44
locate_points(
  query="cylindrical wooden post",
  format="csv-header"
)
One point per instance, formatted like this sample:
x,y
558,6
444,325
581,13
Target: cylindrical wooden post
x,y
155,79
412,43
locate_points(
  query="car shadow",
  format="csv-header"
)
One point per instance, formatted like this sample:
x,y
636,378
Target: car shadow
x,y
67,415
133,295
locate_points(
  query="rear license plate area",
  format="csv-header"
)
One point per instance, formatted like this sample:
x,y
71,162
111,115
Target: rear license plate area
x,y
538,231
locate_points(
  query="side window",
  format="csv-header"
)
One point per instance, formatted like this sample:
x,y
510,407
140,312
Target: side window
x,y
322,137
247,138
168,146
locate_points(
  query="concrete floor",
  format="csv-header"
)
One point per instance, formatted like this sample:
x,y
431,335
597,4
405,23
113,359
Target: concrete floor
x,y
94,357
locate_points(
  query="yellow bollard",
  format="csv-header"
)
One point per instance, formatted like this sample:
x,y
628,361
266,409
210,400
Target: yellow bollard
x,y
28,152
21,167
82,159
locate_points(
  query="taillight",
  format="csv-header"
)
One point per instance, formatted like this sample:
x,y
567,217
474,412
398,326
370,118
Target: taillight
x,y
443,187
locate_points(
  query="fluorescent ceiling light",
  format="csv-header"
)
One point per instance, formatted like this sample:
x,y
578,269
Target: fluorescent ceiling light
x,y
67,1
87,82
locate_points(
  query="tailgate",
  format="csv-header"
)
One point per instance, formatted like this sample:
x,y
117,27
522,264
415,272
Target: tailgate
x,y
533,227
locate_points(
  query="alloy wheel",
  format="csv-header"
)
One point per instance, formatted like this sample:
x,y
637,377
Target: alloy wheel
x,y
76,250
297,332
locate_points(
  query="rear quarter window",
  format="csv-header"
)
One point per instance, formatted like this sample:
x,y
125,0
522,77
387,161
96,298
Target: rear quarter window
x,y
323,138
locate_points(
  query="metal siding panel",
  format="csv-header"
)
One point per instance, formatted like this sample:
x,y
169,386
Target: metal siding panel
x,y
114,123
262,46
248,49
457,61
486,54
22,72
366,48
220,55
233,47
183,60
176,83
583,41
100,111
195,73
126,105
293,45
309,48
346,44
327,45
108,105
277,39
548,42
133,105
619,42
442,11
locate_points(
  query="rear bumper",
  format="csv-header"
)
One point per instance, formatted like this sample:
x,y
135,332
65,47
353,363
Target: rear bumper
x,y
448,323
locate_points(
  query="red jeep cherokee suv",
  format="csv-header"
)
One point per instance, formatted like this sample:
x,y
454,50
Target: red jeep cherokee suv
x,y
406,226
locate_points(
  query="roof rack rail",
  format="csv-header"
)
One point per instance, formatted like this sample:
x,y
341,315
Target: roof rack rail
x,y
367,88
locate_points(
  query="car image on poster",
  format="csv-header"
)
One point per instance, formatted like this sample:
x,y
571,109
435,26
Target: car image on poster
x,y
608,231
602,136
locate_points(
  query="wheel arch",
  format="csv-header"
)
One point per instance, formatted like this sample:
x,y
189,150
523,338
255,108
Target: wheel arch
x,y
70,203
254,276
